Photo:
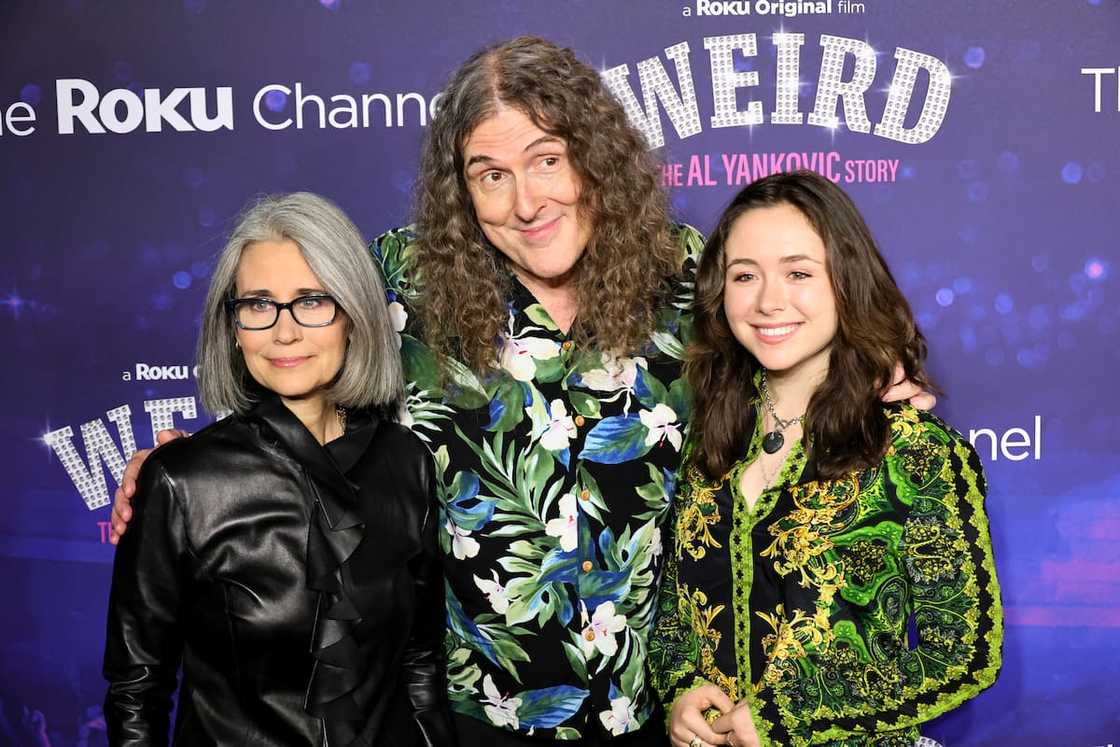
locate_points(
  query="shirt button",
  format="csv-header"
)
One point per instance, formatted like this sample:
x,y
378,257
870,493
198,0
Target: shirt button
x,y
587,566
567,345
589,635
580,421
585,495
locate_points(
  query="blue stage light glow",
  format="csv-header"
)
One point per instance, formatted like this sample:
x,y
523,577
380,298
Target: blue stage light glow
x,y
275,100
360,73
974,57
1008,162
978,191
968,339
1096,269
31,94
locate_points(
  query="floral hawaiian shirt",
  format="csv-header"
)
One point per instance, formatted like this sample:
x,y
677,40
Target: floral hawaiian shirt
x,y
556,476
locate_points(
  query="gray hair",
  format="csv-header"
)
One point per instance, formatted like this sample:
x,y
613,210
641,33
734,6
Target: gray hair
x,y
333,248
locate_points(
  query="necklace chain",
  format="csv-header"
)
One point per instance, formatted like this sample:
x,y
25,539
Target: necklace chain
x,y
780,424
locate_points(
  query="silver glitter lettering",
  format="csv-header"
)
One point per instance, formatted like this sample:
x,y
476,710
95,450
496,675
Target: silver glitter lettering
x,y
902,91
726,81
162,412
100,449
831,87
788,86
682,108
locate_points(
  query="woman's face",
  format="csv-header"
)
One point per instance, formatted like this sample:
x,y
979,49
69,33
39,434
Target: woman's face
x,y
294,361
776,291
525,193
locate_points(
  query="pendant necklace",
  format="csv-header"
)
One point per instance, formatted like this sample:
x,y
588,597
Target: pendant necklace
x,y
774,440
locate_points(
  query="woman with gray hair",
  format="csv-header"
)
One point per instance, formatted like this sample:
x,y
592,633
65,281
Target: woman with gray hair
x,y
285,556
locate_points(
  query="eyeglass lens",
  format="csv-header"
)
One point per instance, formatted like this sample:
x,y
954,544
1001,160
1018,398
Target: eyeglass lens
x,y
308,311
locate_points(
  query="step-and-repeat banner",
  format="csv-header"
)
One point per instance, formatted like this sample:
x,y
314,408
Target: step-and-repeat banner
x,y
980,139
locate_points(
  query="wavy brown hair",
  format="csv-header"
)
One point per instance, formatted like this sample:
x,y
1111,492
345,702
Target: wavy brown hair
x,y
845,425
465,280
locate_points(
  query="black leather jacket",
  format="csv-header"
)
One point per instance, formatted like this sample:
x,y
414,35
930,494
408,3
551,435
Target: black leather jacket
x,y
300,592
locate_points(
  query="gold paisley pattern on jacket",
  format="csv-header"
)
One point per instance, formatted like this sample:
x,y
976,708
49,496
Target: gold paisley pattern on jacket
x,y
826,582
695,518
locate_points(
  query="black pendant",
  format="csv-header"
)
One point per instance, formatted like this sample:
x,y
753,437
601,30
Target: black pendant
x,y
772,441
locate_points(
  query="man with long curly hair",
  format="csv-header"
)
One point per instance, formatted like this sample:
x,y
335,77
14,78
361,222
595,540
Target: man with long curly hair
x,y
541,295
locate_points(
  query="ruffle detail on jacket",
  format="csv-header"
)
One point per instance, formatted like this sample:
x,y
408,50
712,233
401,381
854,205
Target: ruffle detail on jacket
x,y
334,534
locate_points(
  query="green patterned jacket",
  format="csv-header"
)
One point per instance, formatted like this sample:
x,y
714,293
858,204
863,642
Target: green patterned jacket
x,y
847,612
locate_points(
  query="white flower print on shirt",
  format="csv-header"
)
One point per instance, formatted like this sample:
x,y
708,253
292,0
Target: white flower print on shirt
x,y
620,718
520,354
495,593
618,374
462,544
662,423
561,427
500,710
566,526
398,318
598,633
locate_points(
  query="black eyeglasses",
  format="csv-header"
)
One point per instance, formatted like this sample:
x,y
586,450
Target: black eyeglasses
x,y
318,310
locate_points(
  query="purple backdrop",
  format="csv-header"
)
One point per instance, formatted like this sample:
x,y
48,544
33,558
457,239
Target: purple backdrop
x,y
132,132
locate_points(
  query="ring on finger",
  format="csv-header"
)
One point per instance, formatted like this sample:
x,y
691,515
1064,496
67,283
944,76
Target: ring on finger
x,y
696,742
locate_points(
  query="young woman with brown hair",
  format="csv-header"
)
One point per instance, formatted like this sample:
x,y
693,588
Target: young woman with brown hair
x,y
814,524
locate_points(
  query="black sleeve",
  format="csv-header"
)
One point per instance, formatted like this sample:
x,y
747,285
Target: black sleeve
x,y
143,643
425,673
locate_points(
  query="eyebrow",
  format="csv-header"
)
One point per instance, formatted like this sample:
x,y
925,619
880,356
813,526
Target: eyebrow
x,y
265,293
784,260
483,158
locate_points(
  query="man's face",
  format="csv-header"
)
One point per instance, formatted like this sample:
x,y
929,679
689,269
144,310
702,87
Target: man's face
x,y
526,193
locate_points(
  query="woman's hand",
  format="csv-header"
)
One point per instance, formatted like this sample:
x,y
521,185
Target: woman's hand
x,y
122,499
687,723
737,727
904,389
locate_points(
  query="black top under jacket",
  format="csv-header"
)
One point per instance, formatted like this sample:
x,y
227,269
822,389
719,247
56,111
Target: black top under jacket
x,y
297,585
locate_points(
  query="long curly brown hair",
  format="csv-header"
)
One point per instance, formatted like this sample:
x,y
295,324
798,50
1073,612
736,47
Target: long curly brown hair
x,y
845,425
465,281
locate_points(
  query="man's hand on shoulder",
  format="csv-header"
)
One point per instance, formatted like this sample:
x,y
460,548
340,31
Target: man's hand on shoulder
x,y
122,499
